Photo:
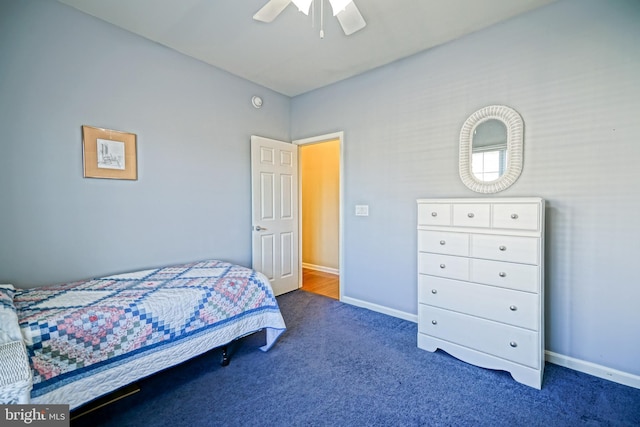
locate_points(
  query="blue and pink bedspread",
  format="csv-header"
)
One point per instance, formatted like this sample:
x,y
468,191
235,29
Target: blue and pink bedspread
x,y
131,325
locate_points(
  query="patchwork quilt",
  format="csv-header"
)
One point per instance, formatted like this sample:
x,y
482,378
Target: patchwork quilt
x,y
78,329
15,375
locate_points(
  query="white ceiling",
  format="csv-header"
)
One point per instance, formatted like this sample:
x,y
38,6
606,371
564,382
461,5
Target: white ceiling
x,y
288,54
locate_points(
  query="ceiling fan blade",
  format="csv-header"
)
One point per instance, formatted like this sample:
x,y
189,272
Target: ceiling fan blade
x,y
350,19
271,10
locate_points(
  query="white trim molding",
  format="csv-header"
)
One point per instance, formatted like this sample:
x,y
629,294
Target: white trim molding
x,y
321,268
599,371
380,309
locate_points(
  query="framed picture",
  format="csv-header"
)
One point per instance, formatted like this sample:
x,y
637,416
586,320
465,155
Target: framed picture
x,y
109,154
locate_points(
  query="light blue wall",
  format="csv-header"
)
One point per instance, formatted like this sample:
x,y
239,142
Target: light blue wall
x,y
61,69
572,70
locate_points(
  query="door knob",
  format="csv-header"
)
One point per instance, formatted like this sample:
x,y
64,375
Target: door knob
x,y
258,228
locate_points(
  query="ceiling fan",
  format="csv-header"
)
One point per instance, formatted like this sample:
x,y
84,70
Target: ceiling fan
x,y
345,10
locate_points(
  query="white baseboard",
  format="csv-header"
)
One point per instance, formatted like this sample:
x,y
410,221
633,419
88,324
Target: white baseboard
x,y
599,371
320,268
380,309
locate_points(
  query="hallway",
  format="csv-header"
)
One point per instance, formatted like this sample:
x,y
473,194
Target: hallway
x,y
321,283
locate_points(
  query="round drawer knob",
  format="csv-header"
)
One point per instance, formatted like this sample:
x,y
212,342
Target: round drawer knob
x,y
442,266
434,213
513,308
434,291
434,322
502,274
503,248
442,242
470,215
514,216
513,344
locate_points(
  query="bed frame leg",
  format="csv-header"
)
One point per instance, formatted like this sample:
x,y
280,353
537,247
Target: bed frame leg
x,y
225,356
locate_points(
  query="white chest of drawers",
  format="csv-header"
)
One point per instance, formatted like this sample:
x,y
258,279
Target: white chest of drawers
x,y
481,282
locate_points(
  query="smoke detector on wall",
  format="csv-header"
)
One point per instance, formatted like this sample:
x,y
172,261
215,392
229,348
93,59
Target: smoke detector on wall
x,y
256,101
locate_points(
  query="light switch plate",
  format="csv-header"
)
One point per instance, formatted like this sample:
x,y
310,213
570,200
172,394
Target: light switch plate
x,y
362,210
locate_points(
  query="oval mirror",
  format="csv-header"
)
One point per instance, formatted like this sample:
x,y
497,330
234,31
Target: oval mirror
x,y
491,149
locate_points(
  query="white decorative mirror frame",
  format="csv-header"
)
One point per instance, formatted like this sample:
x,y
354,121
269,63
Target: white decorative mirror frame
x,y
515,139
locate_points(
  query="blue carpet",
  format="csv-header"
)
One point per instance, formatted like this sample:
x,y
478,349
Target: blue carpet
x,y
339,365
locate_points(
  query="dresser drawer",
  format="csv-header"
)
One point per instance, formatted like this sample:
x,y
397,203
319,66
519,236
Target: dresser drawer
x,y
521,277
472,215
434,214
443,265
504,341
506,248
512,307
443,242
516,216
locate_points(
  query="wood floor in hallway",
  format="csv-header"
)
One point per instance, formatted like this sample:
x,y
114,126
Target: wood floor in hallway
x,y
319,282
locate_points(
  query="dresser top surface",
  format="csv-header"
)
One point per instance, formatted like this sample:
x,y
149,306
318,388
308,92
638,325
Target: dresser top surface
x,y
485,200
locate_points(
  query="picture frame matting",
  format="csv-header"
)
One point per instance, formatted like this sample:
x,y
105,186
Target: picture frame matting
x,y
109,154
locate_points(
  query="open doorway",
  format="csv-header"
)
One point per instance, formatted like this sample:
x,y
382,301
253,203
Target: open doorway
x,y
320,201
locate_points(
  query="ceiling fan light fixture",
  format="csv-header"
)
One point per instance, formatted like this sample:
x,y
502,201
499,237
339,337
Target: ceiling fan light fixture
x,y
303,5
345,11
339,5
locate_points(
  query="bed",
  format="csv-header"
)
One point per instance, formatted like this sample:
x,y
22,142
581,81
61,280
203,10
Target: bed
x,y
74,342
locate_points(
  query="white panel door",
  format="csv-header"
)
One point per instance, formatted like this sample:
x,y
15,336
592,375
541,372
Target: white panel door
x,y
274,195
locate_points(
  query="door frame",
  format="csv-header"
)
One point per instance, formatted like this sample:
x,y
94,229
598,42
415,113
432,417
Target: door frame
x,y
316,140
